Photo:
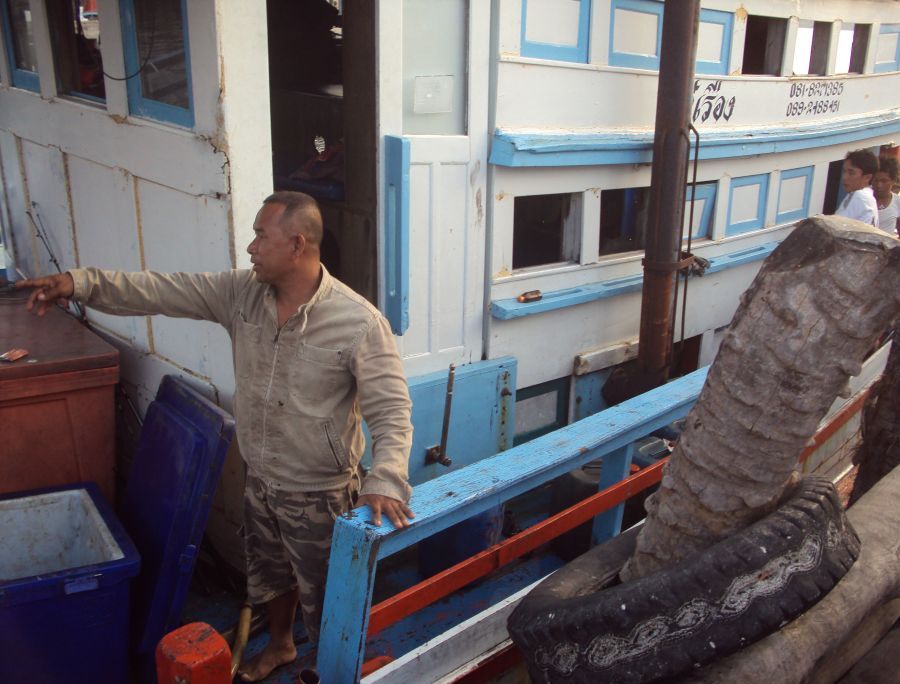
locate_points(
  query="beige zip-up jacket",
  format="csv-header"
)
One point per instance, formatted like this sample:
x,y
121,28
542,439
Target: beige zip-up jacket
x,y
300,391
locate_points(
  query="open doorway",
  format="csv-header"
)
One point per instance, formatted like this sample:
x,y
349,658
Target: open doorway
x,y
322,102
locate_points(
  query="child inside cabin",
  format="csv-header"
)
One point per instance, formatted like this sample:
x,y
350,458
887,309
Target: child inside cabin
x,y
888,203
859,203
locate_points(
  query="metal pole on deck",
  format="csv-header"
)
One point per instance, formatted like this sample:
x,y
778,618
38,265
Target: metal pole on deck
x,y
666,209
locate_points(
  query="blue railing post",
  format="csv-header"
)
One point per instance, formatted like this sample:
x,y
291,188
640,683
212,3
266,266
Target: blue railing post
x,y
616,467
348,598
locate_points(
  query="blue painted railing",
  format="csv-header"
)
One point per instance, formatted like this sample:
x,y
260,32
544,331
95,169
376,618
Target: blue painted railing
x,y
358,545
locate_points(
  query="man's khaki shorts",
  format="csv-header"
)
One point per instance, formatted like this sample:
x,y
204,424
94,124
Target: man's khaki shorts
x,y
287,541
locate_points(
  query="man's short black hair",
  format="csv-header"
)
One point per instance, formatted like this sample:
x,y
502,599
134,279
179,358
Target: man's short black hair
x,y
301,214
864,160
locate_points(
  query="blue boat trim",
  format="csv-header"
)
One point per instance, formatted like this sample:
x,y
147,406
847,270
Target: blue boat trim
x,y
507,309
396,232
600,147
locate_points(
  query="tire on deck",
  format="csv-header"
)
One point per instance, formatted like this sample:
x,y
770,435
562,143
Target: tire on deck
x,y
698,610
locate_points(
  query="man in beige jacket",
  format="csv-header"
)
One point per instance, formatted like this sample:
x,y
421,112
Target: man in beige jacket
x,y
311,359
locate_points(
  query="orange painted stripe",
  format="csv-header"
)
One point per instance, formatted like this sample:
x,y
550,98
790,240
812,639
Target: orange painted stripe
x,y
446,582
840,419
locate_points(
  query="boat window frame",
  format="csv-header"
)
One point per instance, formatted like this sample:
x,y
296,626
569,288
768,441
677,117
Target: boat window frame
x,y
570,235
138,104
20,78
579,53
632,60
758,222
883,67
726,20
58,53
807,172
707,192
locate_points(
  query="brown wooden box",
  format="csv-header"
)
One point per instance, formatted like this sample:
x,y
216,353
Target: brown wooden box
x,y
57,405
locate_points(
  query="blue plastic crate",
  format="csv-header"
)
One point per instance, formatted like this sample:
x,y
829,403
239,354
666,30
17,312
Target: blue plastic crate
x,y
65,576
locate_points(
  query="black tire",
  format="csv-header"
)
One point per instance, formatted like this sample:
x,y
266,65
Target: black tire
x,y
694,612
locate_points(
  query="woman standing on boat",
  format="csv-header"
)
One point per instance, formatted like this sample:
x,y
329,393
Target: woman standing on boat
x,y
888,203
859,203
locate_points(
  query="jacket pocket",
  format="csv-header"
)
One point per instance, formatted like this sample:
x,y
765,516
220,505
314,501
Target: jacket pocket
x,y
338,452
314,375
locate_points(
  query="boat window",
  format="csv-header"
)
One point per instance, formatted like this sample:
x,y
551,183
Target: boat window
x,y
19,39
541,409
851,49
623,219
764,45
811,48
546,229
75,32
624,212
157,60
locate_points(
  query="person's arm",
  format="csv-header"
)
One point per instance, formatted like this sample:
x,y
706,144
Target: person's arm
x,y
383,398
203,296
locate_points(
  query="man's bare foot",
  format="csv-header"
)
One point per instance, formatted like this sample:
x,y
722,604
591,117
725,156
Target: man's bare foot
x,y
261,665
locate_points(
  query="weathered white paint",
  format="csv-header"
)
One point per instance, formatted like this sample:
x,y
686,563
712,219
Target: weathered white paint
x,y
447,188
167,155
110,20
454,649
529,93
592,360
41,33
246,133
49,205
108,235
434,42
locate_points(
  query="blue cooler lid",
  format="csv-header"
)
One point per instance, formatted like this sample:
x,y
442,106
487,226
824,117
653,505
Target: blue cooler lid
x,y
176,466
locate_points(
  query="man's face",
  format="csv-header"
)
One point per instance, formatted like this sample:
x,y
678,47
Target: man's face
x,y
272,251
853,177
882,184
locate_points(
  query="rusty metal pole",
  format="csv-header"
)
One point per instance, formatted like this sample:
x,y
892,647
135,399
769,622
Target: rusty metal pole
x,y
666,210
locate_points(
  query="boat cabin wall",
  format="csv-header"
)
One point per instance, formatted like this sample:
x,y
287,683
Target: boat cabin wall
x,y
171,181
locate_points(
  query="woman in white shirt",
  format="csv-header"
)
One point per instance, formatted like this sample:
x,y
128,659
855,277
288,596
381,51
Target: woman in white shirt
x,y
888,203
859,203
